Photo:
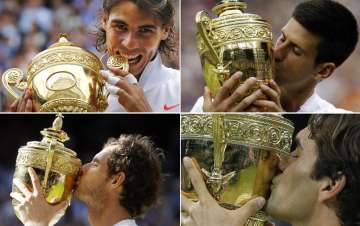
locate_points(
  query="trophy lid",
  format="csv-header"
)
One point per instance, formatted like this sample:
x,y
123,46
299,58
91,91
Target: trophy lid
x,y
224,5
63,52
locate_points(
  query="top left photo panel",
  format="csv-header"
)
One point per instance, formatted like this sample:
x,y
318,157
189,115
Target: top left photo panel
x,y
89,56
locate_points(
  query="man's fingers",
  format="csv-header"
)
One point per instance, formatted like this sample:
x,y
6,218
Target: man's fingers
x,y
29,106
228,87
22,187
197,181
17,196
275,86
186,204
35,181
269,92
118,72
242,91
13,106
247,101
186,220
267,105
250,208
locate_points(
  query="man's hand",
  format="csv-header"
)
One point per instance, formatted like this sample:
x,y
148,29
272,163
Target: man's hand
x,y
24,104
273,93
130,96
33,209
206,212
232,97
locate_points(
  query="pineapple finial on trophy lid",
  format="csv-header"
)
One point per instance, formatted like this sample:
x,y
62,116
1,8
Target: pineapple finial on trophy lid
x,y
55,132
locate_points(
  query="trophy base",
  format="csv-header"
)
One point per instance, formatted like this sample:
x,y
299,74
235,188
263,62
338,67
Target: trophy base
x,y
66,105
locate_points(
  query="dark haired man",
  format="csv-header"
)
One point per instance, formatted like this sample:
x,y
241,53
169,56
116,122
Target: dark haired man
x,y
119,184
318,38
140,31
318,185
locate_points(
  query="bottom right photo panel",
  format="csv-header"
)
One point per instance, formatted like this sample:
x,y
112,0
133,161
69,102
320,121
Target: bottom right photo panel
x,y
270,169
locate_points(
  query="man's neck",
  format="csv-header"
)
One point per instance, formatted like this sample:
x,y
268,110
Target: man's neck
x,y
322,216
293,99
108,215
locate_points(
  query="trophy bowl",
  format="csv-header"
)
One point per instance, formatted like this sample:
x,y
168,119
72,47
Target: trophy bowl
x,y
237,155
56,166
234,41
63,78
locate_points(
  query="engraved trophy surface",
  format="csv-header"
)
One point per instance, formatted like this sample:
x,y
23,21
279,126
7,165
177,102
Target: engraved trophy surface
x,y
63,78
238,155
56,165
233,41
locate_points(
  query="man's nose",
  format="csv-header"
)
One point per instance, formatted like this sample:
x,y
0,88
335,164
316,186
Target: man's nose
x,y
129,40
280,52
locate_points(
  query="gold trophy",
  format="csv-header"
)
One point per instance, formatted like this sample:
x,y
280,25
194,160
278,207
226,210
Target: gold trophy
x,y
234,41
237,155
56,165
63,78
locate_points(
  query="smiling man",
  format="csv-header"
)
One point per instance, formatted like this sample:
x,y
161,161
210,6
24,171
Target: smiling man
x,y
318,38
318,183
140,31
120,183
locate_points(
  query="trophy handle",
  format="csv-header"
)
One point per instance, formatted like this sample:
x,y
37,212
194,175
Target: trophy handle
x,y
13,77
203,21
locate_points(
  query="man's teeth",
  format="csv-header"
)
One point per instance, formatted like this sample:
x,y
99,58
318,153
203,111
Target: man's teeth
x,y
133,59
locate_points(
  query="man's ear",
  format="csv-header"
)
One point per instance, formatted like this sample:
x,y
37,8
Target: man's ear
x,y
165,32
330,188
324,70
118,180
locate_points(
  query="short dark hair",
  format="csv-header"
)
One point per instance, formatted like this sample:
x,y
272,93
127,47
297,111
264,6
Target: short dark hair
x,y
162,10
334,24
337,139
137,157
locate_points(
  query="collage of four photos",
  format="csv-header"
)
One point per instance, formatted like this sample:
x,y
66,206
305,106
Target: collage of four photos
x,y
179,113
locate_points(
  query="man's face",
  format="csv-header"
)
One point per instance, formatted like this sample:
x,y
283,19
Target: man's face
x,y
294,192
134,33
91,185
295,53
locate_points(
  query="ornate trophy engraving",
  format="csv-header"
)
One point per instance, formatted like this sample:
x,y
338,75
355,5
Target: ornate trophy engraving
x,y
56,165
233,41
63,78
237,155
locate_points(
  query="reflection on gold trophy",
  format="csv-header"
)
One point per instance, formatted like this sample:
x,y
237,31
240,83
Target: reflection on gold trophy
x,y
63,78
237,155
233,41
56,165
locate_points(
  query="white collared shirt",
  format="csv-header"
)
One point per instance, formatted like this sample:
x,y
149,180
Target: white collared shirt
x,y
127,222
314,104
161,87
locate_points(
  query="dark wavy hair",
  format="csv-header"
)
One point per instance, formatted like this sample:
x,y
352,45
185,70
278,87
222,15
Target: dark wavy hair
x,y
162,10
334,24
137,157
337,138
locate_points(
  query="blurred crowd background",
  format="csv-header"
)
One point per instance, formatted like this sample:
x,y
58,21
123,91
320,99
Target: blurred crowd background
x,y
30,26
87,135
341,89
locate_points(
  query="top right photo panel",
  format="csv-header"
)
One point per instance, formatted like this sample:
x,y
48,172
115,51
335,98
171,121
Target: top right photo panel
x,y
270,56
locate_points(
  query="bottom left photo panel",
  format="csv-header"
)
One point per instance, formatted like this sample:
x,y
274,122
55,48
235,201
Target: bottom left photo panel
x,y
89,169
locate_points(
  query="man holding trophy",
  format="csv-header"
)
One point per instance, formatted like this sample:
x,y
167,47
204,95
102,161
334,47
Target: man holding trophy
x,y
119,184
318,38
318,183
133,34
